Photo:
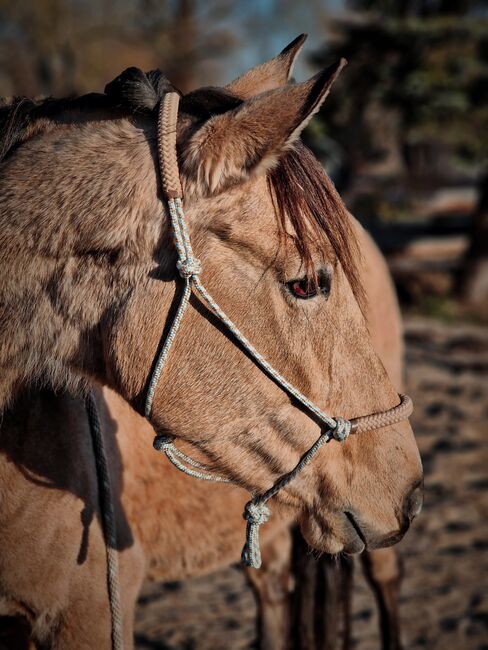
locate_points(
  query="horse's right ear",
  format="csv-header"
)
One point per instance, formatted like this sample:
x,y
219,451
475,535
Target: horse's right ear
x,y
270,75
248,140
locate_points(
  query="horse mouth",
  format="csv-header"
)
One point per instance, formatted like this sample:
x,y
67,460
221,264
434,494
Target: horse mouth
x,y
372,541
357,542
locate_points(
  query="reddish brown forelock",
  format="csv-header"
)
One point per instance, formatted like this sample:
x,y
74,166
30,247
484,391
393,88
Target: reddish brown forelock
x,y
303,194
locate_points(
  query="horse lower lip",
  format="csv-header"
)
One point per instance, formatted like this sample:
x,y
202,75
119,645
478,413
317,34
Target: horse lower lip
x,y
350,517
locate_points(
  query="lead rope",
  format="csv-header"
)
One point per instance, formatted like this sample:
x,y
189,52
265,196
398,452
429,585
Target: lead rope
x,y
108,522
256,511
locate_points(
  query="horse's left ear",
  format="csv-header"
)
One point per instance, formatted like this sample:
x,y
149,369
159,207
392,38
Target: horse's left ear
x,y
247,141
269,75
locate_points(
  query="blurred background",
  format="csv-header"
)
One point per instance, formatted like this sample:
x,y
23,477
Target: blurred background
x,y
404,135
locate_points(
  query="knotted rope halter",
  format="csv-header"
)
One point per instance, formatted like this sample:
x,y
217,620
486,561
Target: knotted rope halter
x,y
256,511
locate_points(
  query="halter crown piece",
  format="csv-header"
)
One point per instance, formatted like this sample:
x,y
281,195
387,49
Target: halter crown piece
x,y
256,511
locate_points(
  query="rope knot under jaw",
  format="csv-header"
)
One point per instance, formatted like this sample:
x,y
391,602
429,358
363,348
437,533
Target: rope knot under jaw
x,y
256,513
189,267
341,430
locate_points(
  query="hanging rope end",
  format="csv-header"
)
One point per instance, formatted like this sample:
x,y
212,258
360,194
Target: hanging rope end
x,y
248,560
255,514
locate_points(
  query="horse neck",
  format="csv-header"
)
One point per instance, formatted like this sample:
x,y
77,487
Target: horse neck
x,y
50,320
72,256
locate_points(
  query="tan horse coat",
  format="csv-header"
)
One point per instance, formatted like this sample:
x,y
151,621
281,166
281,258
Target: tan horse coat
x,y
52,558
88,274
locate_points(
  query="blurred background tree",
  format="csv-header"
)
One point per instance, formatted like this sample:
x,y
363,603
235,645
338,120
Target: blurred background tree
x,y
58,47
411,111
418,68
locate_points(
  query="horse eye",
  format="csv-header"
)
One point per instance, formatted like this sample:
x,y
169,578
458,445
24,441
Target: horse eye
x,y
305,288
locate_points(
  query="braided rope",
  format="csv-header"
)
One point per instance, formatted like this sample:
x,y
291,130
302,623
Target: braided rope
x,y
163,355
178,458
256,511
168,115
108,522
385,419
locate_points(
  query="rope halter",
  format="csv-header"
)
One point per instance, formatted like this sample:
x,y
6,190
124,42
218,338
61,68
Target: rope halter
x,y
189,268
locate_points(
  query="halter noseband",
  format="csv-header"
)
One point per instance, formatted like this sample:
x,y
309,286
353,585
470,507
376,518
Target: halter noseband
x,y
256,511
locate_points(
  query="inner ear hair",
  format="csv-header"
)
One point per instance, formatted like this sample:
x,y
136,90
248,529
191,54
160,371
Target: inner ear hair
x,y
248,140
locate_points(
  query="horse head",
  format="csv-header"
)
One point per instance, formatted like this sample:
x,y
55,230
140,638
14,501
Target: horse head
x,y
91,287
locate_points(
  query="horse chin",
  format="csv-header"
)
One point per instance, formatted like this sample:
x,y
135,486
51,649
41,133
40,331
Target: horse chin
x,y
331,535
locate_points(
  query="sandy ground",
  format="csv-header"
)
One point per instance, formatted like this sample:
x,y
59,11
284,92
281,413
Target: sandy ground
x,y
444,602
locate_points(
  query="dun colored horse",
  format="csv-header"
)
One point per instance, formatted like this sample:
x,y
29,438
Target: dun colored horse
x,y
88,270
179,527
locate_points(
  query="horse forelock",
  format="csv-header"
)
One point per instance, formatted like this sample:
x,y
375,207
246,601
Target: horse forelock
x,y
304,194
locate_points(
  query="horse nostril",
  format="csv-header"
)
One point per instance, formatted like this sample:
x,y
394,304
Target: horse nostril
x,y
413,503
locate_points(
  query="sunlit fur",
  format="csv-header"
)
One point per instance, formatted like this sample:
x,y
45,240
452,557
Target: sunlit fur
x,y
89,272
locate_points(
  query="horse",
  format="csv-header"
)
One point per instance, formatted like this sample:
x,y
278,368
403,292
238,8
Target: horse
x,y
159,505
154,502
89,282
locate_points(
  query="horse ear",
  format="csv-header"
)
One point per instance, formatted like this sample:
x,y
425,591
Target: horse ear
x,y
270,75
249,140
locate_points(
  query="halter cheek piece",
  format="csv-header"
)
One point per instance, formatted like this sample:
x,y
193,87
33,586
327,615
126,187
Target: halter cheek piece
x,y
256,511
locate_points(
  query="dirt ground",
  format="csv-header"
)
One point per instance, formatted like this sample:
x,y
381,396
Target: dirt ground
x,y
444,602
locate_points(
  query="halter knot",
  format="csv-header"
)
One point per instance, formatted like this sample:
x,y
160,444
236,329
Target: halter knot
x,y
342,429
162,442
256,513
189,267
